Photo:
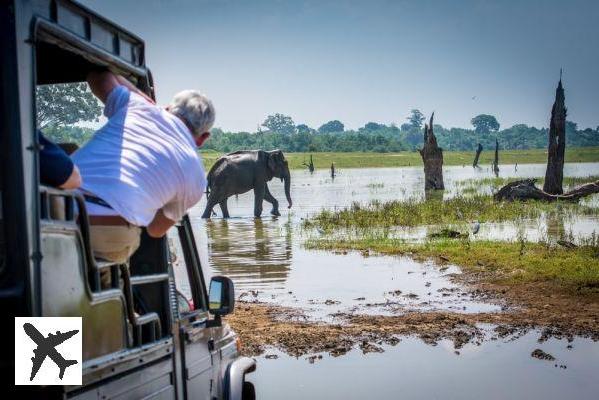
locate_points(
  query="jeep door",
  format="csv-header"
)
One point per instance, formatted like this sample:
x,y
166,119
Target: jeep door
x,y
195,338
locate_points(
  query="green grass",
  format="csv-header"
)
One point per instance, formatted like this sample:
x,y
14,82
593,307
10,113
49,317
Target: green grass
x,y
509,262
459,209
412,158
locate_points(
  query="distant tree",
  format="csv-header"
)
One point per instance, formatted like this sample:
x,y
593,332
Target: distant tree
x,y
405,127
571,127
332,127
416,118
373,126
279,123
303,128
65,104
484,124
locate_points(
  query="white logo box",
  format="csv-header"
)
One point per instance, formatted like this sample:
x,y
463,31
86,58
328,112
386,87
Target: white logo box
x,y
51,340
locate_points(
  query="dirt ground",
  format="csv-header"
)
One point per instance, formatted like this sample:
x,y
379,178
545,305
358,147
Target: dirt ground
x,y
528,306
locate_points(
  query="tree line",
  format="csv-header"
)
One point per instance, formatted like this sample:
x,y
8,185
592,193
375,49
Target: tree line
x,y
60,107
279,131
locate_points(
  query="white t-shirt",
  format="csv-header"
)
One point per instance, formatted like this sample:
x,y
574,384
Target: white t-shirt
x,y
144,159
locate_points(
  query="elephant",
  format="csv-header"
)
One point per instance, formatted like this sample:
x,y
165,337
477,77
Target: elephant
x,y
241,171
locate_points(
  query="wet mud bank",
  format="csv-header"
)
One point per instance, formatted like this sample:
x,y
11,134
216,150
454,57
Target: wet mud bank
x,y
527,307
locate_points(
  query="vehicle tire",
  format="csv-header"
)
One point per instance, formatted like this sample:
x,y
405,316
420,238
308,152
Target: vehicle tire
x,y
248,392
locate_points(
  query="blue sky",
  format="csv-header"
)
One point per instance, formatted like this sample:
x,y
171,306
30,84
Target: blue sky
x,y
361,61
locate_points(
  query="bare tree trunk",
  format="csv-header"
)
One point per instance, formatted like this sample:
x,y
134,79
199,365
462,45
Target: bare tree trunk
x,y
479,150
496,160
557,144
526,190
432,157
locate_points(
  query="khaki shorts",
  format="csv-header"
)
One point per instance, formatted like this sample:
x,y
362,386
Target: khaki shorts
x,y
114,243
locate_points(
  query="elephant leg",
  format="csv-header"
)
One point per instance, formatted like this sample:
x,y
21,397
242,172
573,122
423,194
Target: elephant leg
x,y
258,199
270,198
211,202
224,208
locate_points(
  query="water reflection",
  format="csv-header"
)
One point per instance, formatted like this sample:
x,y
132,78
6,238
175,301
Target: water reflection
x,y
254,252
555,227
413,370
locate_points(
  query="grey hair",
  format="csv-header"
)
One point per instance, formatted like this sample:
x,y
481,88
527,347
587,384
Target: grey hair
x,y
195,109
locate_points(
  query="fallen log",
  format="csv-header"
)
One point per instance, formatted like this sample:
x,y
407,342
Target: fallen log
x,y
526,190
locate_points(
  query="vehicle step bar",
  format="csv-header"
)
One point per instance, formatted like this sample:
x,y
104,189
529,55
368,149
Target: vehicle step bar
x,y
147,279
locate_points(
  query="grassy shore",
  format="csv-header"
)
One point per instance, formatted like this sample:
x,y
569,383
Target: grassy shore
x,y
456,210
412,158
508,262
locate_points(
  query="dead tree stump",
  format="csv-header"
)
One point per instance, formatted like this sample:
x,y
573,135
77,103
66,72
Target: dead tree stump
x,y
432,157
526,190
496,159
557,144
479,150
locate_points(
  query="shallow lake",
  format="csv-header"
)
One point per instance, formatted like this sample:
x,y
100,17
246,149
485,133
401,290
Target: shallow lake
x,y
266,260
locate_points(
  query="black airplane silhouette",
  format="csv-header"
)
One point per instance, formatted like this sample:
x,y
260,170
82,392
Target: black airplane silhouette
x,y
46,347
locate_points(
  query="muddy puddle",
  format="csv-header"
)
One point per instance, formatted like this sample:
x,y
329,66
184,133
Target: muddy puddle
x,y
269,265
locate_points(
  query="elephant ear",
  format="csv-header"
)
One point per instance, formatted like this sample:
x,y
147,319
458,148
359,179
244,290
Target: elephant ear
x,y
272,162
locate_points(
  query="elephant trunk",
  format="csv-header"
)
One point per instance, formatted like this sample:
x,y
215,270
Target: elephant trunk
x,y
287,180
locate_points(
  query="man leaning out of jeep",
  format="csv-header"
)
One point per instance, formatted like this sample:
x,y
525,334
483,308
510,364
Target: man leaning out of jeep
x,y
142,168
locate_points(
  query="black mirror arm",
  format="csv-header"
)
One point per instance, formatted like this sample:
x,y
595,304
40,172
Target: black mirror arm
x,y
215,322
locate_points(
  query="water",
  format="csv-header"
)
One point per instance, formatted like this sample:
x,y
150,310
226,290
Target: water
x,y
266,260
414,370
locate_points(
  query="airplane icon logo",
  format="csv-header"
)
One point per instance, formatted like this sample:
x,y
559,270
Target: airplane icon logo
x,y
48,351
46,348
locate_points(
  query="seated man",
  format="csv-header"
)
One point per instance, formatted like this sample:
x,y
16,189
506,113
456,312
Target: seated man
x,y
56,167
142,168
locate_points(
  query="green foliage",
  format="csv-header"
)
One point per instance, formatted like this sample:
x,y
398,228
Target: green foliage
x,y
416,118
68,134
303,128
373,126
484,124
386,140
64,104
279,123
332,127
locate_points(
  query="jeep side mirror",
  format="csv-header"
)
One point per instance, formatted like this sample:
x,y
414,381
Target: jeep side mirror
x,y
221,297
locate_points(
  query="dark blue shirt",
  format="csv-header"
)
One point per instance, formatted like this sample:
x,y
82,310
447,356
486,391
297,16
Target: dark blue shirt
x,y
55,165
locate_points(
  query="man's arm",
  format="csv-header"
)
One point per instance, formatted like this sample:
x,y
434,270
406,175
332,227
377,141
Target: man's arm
x,y
159,225
102,83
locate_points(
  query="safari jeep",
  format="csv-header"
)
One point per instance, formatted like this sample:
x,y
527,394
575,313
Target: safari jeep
x,y
155,333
